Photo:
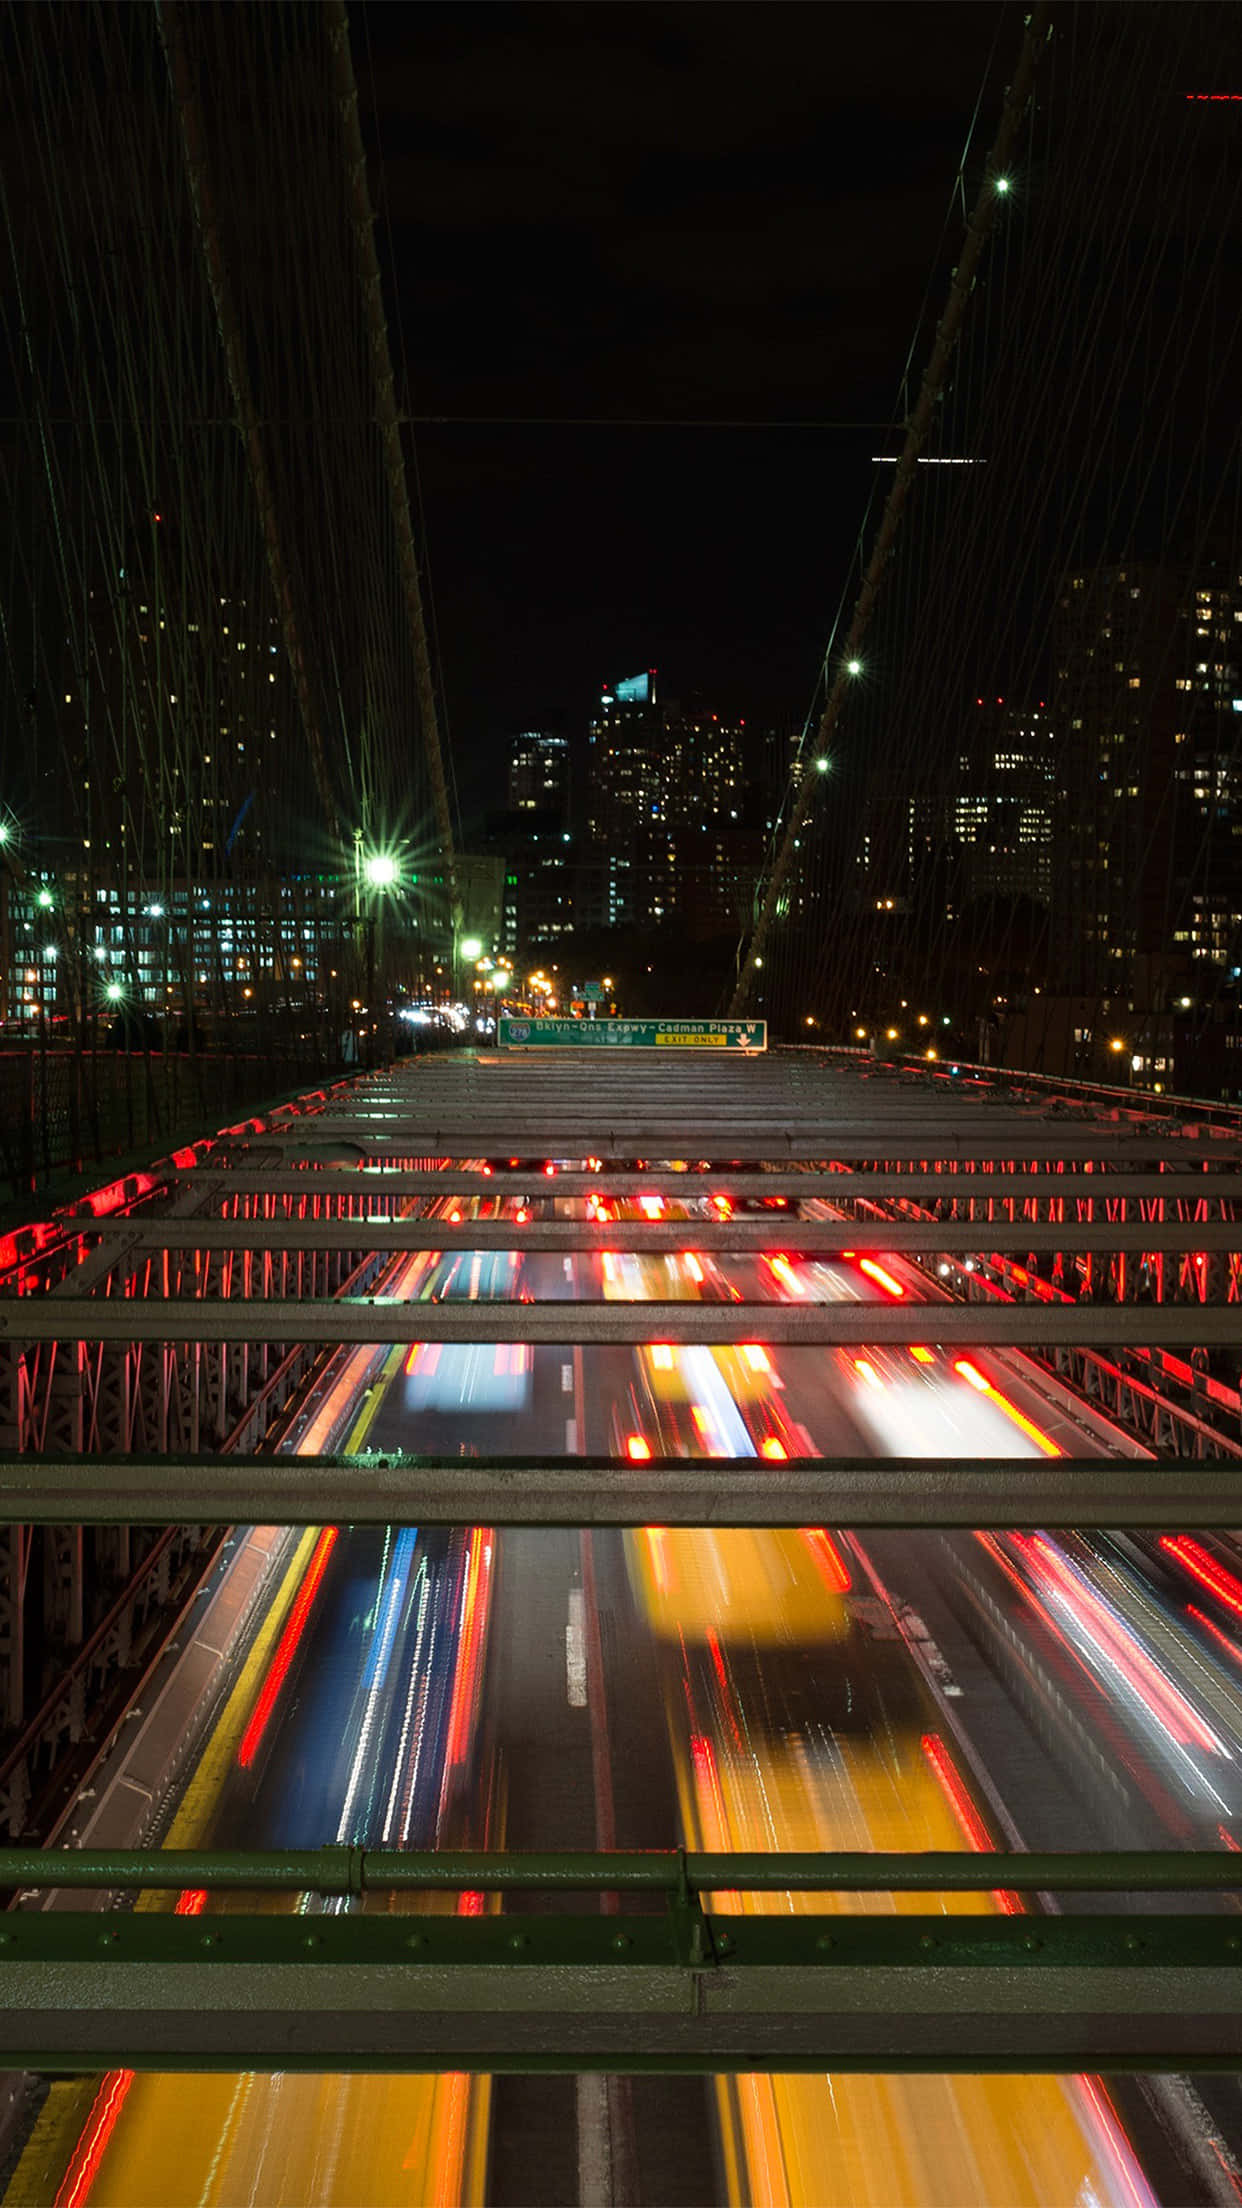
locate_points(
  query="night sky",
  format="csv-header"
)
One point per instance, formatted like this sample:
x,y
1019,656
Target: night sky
x,y
706,213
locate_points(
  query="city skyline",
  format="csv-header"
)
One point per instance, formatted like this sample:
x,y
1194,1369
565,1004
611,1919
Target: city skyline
x,y
647,216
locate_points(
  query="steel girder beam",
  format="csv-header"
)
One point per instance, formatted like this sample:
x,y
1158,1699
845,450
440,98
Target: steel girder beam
x,y
679,1990
1159,1420
679,1874
90,1388
32,1320
556,1135
864,1493
949,1182
142,1586
815,1237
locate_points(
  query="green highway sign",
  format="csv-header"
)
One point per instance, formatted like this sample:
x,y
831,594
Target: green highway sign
x,y
544,1034
592,991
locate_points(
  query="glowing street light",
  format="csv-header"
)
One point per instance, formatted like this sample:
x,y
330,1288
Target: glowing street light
x,y
853,666
380,870
114,992
1002,185
45,899
472,946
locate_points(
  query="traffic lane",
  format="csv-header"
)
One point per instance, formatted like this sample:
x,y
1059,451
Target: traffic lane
x,y
543,1724
664,2123
1074,1426
1166,1704
1045,1771
1051,1781
1143,1707
926,1401
346,1762
289,1792
278,2139
483,1399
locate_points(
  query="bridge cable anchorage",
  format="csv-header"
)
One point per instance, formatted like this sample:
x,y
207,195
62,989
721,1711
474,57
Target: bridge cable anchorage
x,y
920,423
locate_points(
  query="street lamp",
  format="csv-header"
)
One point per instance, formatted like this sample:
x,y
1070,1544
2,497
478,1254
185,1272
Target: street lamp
x,y
380,870
853,666
471,946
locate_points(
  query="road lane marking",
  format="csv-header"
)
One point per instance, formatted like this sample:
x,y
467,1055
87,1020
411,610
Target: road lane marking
x,y
594,2143
575,1651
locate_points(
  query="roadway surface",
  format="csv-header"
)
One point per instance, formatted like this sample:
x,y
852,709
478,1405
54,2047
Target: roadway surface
x,y
1084,1691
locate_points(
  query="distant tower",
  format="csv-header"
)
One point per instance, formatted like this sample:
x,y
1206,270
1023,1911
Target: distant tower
x,y
539,774
625,761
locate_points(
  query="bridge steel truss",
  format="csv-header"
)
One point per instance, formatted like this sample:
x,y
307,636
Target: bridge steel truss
x,y
85,1606
151,1348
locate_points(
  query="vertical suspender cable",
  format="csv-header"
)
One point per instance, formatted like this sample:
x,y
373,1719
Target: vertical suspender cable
x,y
390,432
982,217
177,59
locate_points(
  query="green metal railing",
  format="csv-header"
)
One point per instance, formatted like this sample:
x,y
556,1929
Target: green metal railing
x,y
407,1986
333,1872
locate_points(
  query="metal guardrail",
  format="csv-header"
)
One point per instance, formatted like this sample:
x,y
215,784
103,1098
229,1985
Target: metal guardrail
x,y
673,1989
355,1871
63,1109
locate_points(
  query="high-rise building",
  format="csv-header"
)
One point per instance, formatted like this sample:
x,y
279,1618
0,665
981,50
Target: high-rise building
x,y
539,775
989,829
625,779
665,802
1206,912
1148,708
703,772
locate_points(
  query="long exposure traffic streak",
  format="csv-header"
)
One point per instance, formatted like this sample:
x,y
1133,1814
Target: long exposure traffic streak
x,y
775,1689
355,1719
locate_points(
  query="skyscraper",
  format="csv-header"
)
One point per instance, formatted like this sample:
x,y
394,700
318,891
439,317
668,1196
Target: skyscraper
x,y
539,775
1149,718
626,780
990,828
664,807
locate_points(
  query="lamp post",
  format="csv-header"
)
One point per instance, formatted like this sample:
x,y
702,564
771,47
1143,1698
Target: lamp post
x,y
375,872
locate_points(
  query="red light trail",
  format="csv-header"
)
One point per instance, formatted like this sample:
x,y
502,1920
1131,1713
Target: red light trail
x,y
295,1626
